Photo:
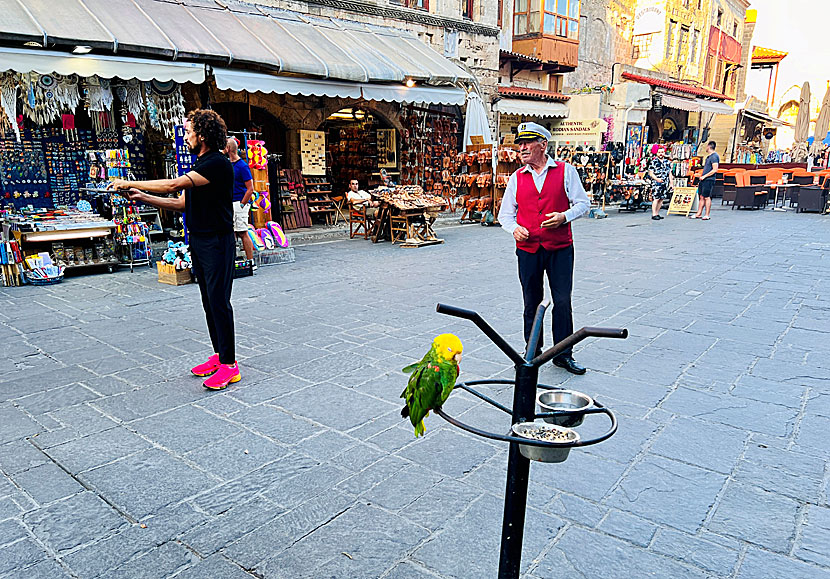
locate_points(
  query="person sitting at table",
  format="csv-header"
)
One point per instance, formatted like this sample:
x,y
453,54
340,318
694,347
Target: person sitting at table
x,y
358,198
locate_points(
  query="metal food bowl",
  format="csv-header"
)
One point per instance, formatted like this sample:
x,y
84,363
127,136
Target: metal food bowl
x,y
569,402
545,453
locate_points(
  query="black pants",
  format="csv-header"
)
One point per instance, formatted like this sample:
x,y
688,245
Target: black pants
x,y
559,267
213,257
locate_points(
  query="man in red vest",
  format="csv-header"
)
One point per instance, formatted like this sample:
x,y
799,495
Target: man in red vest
x,y
541,200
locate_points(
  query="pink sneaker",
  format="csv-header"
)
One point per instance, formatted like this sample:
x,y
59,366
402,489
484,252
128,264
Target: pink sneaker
x,y
225,374
208,368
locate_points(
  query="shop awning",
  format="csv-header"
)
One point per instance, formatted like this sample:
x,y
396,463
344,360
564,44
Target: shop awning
x,y
768,120
679,103
675,86
417,94
243,80
543,109
49,62
229,33
715,107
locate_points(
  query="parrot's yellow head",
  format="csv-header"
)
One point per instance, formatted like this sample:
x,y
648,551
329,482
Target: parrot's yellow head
x,y
448,347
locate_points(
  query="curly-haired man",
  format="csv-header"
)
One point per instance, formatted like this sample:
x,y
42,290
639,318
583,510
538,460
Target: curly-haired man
x,y
208,210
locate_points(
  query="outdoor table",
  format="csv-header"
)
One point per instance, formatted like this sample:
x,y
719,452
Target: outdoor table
x,y
778,187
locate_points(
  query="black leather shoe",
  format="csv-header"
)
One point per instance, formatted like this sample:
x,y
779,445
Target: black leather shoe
x,y
569,364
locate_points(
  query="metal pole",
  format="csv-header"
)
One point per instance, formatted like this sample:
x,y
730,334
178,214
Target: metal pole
x,y
518,471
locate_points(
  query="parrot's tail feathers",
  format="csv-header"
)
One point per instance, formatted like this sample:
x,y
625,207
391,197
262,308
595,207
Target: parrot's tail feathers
x,y
419,429
410,369
405,412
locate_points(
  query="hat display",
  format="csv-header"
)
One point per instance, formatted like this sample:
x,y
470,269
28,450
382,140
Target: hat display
x,y
530,131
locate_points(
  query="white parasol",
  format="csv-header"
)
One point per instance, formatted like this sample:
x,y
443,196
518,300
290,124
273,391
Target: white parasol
x,y
476,121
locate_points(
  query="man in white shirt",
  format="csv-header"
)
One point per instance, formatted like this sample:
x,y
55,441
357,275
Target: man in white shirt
x,y
541,200
357,197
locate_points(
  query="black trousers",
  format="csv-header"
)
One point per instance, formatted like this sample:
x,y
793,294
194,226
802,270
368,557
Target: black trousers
x,y
213,257
558,265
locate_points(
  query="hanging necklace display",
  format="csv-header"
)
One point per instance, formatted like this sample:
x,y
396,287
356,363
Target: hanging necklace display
x,y
100,94
66,92
8,100
152,111
40,105
126,128
134,102
169,104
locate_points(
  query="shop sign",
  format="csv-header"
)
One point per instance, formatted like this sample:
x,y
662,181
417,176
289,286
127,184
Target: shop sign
x,y
649,20
578,128
682,200
313,152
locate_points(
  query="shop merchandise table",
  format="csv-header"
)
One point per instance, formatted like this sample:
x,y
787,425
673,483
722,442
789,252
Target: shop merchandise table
x,y
635,193
42,235
406,215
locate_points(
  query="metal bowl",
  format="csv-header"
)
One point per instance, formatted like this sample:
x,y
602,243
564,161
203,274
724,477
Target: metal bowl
x,y
569,402
545,453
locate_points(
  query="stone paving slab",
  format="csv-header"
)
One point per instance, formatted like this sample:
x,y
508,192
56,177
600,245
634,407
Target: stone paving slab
x,y
114,462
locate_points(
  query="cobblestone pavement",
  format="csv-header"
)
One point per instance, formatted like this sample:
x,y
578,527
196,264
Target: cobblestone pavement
x,y
116,463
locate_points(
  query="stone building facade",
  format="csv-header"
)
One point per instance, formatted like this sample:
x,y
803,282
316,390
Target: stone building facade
x,y
605,33
672,36
468,39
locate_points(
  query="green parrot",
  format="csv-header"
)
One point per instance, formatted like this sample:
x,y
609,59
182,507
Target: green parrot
x,y
431,380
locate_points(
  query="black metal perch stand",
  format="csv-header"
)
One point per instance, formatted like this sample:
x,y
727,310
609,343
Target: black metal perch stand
x,y
523,411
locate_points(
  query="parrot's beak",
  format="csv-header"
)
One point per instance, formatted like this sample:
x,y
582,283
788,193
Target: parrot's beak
x,y
457,358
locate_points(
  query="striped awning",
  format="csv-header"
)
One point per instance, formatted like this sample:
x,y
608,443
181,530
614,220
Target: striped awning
x,y
228,33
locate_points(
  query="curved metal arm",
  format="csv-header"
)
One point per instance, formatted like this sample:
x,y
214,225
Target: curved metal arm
x,y
575,338
536,331
484,327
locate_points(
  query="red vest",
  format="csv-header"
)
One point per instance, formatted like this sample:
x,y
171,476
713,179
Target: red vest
x,y
534,207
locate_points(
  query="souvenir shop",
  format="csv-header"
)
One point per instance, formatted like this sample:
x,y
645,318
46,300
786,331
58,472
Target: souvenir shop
x,y
755,132
63,138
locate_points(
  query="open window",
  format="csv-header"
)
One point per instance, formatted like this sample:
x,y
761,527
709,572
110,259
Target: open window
x,y
559,18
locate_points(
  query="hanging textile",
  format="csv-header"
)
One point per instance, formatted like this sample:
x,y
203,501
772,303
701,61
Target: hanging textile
x,y
99,94
169,105
8,100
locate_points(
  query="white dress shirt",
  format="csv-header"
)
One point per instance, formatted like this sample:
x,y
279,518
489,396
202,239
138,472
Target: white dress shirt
x,y
573,189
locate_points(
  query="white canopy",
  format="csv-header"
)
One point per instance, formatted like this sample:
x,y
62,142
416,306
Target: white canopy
x,y
680,103
243,80
715,107
543,109
476,122
416,94
25,60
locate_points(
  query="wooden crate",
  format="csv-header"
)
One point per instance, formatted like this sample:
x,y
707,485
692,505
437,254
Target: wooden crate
x,y
171,276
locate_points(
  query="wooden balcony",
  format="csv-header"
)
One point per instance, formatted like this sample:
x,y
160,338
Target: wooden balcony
x,y
562,51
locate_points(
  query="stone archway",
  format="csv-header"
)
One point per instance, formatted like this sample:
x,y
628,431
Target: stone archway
x,y
241,115
388,112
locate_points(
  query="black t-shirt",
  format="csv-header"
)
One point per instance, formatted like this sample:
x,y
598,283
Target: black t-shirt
x,y
209,209
709,164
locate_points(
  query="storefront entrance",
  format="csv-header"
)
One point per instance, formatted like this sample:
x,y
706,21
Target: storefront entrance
x,y
359,143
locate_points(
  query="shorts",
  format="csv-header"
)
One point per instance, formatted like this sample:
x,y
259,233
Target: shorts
x,y
240,217
705,188
659,191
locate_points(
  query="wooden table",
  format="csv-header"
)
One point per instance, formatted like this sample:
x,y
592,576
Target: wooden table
x,y
410,226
